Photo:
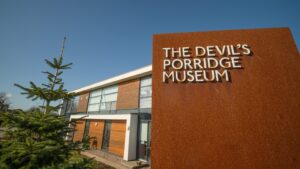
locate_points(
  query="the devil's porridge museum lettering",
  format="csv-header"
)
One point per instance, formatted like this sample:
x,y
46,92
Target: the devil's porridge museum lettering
x,y
203,63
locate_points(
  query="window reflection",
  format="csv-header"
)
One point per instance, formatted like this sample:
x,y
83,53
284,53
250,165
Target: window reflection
x,y
146,93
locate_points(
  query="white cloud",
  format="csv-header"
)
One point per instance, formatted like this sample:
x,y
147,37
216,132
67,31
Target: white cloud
x,y
8,95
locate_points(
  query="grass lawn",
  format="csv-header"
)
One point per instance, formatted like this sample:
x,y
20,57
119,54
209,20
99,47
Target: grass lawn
x,y
83,161
98,165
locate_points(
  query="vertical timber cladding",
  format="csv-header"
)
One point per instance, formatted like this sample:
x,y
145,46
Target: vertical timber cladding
x,y
117,137
79,130
250,121
96,133
128,95
83,102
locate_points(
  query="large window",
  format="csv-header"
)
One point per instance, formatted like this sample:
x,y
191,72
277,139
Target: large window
x,y
146,93
94,101
103,100
71,106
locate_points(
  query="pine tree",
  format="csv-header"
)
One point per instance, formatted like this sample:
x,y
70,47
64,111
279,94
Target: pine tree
x,y
54,90
4,103
36,139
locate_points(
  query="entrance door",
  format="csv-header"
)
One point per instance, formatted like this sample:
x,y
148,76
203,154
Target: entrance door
x,y
106,135
144,140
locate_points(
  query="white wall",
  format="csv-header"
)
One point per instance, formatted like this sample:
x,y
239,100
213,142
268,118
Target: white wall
x,y
131,142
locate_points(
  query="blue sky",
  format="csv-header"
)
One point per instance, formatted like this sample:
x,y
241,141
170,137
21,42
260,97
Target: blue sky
x,y
107,38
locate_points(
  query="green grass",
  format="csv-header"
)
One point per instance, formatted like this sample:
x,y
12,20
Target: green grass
x,y
98,165
86,162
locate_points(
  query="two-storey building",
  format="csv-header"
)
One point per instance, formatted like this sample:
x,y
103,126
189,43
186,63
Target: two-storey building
x,y
115,114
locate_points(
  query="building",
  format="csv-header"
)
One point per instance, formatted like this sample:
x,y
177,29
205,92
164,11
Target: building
x,y
245,114
115,114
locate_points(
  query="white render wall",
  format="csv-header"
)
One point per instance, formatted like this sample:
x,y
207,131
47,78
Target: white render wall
x,y
132,135
131,130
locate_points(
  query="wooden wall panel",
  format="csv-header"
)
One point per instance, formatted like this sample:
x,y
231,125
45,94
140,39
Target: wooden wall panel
x,y
83,102
128,95
79,130
96,133
117,137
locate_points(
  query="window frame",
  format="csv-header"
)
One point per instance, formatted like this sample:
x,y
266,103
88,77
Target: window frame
x,y
140,93
101,100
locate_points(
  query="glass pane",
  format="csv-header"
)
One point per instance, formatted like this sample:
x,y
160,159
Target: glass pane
x,y
106,135
96,93
144,131
68,107
111,89
74,104
76,99
93,107
108,106
145,102
113,105
146,81
95,100
146,91
109,98
104,106
86,129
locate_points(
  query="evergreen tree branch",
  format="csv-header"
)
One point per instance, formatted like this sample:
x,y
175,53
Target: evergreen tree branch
x,y
36,139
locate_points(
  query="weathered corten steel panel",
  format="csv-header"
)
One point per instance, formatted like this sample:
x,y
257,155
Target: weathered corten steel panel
x,y
252,122
128,95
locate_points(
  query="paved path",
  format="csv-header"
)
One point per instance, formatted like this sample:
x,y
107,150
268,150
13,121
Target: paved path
x,y
114,163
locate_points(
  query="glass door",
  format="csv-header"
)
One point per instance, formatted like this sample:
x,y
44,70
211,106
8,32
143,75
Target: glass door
x,y
106,135
144,140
